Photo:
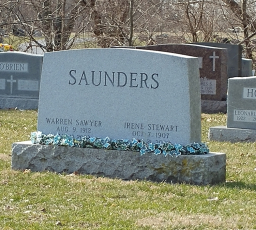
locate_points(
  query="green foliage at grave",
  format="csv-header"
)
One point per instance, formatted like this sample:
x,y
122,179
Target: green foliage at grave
x,y
31,200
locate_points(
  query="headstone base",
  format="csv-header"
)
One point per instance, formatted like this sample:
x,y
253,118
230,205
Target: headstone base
x,y
18,103
222,133
127,165
209,106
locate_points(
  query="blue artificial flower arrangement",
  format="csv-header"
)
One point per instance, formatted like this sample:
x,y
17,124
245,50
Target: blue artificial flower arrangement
x,y
165,148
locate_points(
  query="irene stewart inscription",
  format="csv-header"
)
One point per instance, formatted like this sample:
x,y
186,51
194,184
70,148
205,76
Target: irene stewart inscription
x,y
147,132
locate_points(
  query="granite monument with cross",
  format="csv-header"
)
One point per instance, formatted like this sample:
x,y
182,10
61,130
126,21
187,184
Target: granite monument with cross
x,y
213,72
234,57
20,75
212,67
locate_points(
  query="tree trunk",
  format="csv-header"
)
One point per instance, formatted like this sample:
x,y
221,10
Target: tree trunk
x,y
246,22
131,23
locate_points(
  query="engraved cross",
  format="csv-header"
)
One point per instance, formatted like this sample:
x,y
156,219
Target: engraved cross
x,y
11,82
213,57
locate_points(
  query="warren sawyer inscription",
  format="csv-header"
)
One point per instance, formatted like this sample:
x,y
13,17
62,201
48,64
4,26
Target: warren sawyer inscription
x,y
66,125
131,95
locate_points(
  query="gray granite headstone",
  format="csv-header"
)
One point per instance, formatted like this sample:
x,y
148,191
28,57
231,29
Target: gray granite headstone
x,y
246,67
234,57
241,117
212,66
122,94
242,103
20,75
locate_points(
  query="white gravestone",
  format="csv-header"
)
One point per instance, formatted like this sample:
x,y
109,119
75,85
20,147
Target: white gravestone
x,y
122,94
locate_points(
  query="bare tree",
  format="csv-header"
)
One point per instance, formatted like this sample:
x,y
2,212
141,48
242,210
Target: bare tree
x,y
123,22
199,19
56,20
244,13
129,22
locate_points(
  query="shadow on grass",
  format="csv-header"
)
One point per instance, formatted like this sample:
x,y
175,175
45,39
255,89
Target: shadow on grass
x,y
239,185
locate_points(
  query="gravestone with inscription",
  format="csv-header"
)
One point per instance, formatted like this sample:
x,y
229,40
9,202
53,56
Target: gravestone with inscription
x,y
121,94
213,72
20,75
234,57
212,67
112,91
241,118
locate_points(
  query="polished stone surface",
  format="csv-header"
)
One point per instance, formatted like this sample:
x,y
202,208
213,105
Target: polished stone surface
x,y
122,94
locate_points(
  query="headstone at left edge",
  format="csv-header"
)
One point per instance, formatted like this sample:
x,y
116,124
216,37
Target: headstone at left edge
x,y
121,94
20,75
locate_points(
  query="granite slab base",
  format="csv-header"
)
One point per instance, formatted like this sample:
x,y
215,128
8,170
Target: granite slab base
x,y
18,103
127,165
222,133
210,106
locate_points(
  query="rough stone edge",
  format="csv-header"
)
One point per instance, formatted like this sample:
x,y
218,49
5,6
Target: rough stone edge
x,y
223,133
199,169
19,103
209,106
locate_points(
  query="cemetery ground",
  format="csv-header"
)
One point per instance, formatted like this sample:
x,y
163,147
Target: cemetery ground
x,y
32,200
